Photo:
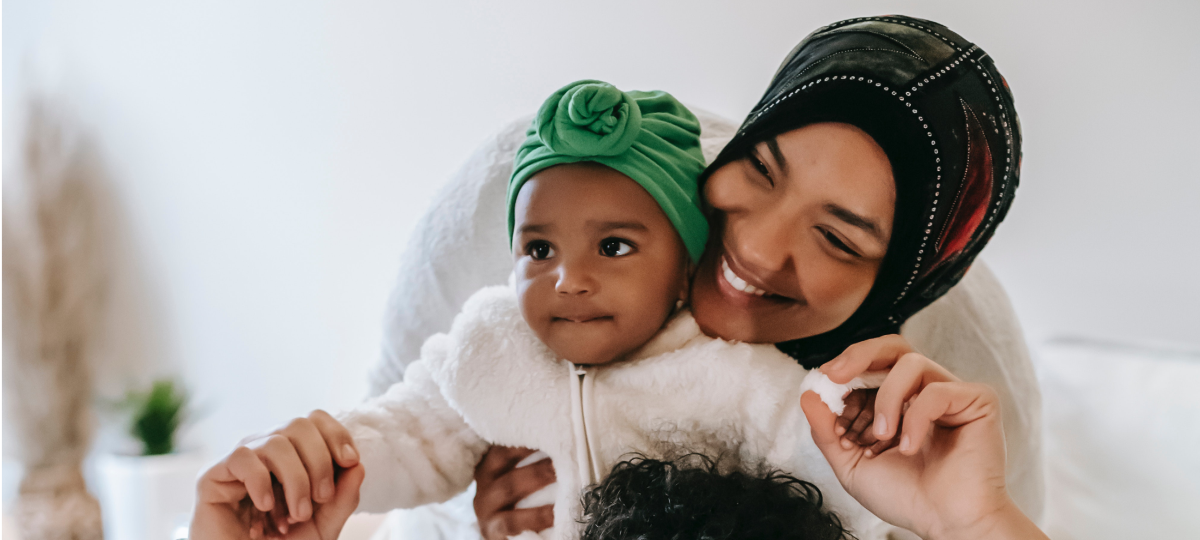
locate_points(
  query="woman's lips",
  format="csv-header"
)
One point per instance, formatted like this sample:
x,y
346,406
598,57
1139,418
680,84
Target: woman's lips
x,y
739,290
737,282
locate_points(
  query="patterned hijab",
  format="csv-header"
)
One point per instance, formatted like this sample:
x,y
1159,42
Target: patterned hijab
x,y
943,115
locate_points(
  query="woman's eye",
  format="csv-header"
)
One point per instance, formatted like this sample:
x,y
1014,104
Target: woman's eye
x,y
539,250
615,247
760,166
838,243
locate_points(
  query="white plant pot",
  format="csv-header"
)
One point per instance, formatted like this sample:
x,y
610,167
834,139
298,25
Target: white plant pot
x,y
147,497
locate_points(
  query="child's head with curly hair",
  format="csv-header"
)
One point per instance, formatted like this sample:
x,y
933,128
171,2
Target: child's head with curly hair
x,y
691,498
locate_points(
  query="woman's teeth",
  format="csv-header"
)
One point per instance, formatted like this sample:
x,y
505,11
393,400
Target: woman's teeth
x,y
737,282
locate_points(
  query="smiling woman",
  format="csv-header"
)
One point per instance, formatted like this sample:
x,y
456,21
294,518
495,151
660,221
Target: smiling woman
x,y
802,239
859,190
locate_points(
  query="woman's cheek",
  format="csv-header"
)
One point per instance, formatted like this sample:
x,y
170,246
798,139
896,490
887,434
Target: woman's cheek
x,y
836,289
725,190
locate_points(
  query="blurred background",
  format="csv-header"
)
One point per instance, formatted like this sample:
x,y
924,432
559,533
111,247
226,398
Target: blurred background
x,y
261,164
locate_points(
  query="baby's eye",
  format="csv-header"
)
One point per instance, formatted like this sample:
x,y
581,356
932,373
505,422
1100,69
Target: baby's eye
x,y
615,247
539,250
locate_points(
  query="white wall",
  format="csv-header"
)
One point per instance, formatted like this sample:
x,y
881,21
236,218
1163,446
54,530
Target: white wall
x,y
271,157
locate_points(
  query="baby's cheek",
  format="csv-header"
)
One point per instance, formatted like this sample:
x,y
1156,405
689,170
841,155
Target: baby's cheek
x,y
646,320
533,311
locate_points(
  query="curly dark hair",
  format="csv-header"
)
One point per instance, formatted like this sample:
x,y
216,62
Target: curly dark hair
x,y
691,498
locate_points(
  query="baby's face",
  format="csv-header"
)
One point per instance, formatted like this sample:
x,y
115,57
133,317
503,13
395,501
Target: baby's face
x,y
599,267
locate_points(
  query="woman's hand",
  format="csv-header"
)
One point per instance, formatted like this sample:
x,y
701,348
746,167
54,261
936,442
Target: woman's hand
x,y
279,483
945,480
499,486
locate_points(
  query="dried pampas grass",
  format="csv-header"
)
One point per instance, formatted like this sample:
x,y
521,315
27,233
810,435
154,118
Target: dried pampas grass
x,y
55,278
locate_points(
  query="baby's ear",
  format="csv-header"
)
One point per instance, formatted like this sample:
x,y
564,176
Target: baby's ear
x,y
688,270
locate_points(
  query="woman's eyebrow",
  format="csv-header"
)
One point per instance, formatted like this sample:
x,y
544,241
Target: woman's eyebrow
x,y
855,220
780,160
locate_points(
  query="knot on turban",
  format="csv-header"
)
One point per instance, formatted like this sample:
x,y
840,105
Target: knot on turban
x,y
589,118
648,136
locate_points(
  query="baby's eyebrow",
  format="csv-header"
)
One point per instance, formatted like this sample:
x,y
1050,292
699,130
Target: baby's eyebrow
x,y
608,226
536,228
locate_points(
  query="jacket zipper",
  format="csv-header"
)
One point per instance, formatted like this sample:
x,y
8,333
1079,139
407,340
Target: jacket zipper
x,y
582,388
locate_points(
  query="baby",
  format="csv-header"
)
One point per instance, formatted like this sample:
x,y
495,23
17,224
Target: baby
x,y
588,354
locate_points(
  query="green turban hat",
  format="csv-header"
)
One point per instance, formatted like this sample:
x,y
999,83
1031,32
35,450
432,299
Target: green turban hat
x,y
647,136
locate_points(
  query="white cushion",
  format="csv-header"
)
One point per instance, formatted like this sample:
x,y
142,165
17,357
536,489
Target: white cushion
x,y
1122,436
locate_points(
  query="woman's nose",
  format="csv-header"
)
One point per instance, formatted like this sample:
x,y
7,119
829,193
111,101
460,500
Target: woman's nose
x,y
765,244
574,277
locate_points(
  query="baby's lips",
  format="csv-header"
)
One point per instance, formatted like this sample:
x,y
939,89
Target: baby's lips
x,y
582,316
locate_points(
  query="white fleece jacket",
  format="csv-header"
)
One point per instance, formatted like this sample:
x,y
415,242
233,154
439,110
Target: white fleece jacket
x,y
491,381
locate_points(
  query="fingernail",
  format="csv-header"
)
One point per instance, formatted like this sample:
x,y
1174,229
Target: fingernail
x,y
839,430
880,426
326,490
846,444
349,453
269,500
836,364
868,453
304,509
904,443
283,527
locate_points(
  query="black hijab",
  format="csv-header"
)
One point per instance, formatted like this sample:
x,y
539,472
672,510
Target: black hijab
x,y
943,115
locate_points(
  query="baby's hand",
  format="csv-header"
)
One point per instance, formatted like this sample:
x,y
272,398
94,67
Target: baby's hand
x,y
856,425
303,458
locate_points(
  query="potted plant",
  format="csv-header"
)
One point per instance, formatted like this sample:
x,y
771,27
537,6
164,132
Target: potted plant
x,y
148,494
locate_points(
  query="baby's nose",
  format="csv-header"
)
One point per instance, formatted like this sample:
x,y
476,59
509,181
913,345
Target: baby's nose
x,y
574,278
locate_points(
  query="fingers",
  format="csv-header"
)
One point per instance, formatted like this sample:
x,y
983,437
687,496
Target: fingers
x,y
314,455
277,519
516,484
497,461
332,516
501,485
282,459
860,431
879,447
244,466
908,376
870,355
821,422
949,404
337,438
854,424
513,522
854,402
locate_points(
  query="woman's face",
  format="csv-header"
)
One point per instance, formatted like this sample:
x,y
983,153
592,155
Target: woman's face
x,y
800,229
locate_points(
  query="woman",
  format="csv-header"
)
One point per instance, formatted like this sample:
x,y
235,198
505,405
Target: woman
x,y
858,191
